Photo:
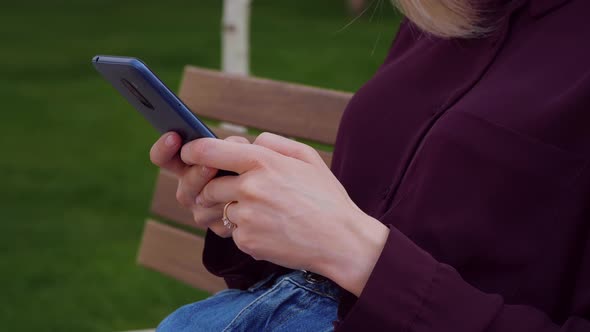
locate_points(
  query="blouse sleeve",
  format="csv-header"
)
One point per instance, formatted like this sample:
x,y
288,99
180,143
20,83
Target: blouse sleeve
x,y
222,258
410,291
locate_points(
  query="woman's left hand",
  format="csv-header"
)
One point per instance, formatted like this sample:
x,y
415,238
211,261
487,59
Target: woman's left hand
x,y
291,210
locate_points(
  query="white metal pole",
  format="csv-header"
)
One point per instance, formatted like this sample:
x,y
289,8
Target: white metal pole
x,y
236,37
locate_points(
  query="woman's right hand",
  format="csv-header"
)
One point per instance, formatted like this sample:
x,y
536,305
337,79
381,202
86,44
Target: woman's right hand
x,y
191,180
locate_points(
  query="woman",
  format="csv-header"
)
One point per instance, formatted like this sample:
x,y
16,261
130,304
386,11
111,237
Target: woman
x,y
460,195
356,7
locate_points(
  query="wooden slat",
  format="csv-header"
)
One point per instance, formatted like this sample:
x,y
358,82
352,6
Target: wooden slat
x,y
288,109
164,203
178,254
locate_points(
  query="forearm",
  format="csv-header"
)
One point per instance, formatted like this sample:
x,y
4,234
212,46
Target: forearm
x,y
352,255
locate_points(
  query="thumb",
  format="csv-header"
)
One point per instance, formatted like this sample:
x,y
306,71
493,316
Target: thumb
x,y
237,139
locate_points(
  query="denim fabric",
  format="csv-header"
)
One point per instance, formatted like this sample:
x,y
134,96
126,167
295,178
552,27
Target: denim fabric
x,y
293,302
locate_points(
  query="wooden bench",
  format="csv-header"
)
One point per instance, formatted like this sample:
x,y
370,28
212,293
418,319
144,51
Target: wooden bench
x,y
174,247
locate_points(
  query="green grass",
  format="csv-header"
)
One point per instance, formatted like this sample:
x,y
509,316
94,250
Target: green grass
x,y
75,177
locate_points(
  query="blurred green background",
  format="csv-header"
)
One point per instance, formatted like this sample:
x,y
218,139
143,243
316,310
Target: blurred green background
x,y
75,177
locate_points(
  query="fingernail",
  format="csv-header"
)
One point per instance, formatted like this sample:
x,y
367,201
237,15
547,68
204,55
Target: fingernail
x,y
198,200
170,140
205,171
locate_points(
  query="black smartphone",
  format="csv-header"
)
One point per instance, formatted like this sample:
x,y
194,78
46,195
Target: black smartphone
x,y
152,98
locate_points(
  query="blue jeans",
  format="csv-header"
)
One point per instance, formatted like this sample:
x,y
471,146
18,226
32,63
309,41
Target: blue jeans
x,y
293,302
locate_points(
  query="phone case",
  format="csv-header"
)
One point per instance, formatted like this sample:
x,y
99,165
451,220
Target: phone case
x,y
151,97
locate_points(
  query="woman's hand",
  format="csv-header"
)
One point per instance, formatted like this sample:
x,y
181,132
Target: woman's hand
x,y
192,179
290,208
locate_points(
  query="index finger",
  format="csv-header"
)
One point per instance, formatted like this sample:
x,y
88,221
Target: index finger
x,y
164,153
226,155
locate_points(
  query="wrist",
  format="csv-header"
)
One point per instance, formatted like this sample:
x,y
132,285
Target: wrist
x,y
354,253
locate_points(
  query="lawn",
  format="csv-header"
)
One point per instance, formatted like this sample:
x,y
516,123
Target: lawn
x,y
76,179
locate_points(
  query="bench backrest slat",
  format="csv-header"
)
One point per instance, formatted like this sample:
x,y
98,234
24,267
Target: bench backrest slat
x,y
288,109
176,253
164,203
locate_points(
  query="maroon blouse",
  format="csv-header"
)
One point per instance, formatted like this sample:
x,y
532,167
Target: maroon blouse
x,y
475,153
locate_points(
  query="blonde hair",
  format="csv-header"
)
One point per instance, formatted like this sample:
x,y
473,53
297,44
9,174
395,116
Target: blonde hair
x,y
445,18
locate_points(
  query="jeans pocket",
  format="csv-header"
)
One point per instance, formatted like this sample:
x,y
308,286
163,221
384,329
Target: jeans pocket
x,y
262,283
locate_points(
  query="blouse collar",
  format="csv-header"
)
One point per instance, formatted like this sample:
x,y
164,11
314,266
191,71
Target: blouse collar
x,y
536,8
541,7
